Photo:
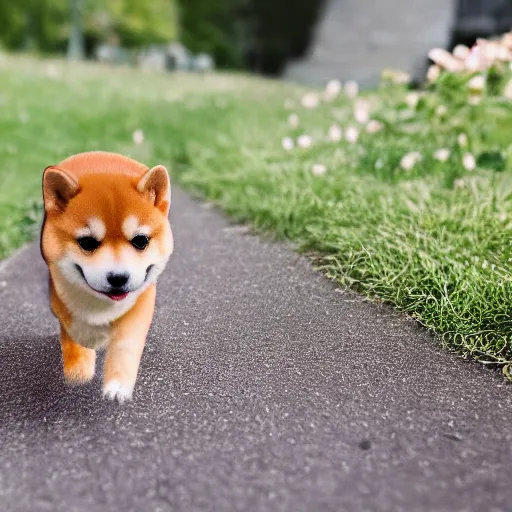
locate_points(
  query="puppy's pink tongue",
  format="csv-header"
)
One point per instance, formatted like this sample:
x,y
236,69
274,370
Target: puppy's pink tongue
x,y
116,297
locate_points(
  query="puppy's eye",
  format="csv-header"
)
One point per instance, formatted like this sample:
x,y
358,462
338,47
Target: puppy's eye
x,y
88,243
140,242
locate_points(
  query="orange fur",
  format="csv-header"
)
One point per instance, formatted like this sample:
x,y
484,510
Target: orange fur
x,y
112,199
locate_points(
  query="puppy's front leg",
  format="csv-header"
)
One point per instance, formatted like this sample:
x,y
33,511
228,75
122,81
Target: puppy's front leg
x,y
126,346
79,362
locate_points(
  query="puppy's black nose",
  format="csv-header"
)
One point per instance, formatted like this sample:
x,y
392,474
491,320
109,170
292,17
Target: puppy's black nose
x,y
117,280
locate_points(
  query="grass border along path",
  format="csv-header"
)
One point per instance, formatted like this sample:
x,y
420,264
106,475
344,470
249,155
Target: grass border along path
x,y
406,197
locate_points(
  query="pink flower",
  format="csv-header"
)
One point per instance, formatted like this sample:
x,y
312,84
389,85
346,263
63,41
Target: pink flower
x,y
462,139
351,89
52,71
374,126
409,160
362,111
469,162
507,92
310,100
441,110
461,51
138,137
474,61
351,134
433,73
304,141
335,133
287,143
445,60
442,154
332,90
474,99
477,84
412,100
294,121
318,169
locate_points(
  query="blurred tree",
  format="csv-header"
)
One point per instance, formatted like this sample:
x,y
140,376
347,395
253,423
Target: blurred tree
x,y
32,24
214,27
260,34
47,25
76,49
134,22
281,30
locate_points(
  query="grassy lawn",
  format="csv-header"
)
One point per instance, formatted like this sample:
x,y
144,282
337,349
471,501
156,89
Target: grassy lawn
x,y
429,236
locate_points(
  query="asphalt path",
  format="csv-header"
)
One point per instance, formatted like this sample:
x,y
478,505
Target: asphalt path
x,y
263,387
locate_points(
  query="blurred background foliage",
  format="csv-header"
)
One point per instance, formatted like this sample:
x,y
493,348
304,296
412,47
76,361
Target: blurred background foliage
x,y
259,35
44,25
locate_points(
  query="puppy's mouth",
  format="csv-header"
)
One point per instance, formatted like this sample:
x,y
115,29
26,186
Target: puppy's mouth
x,y
113,294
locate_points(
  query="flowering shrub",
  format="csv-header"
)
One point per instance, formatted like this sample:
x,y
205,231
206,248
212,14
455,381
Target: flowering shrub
x,y
410,199
449,127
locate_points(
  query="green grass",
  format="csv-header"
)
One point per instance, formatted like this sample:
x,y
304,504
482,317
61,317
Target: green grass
x,y
434,241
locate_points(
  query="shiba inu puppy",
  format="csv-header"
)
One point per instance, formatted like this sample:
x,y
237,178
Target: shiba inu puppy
x,y
106,238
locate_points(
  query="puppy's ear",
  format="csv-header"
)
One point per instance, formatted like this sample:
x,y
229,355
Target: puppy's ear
x,y
155,184
59,187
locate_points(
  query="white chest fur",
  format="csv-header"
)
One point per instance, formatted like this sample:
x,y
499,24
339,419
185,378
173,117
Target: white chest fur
x,y
92,317
88,335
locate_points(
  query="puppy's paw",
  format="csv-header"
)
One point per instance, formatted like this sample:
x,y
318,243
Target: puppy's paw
x,y
79,370
116,390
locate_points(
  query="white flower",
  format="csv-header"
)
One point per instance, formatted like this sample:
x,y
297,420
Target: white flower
x,y
362,111
409,160
469,162
287,143
332,90
318,169
351,134
442,154
477,83
445,60
304,141
474,99
507,92
294,121
494,51
310,100
441,110
412,100
462,139
351,89
461,51
52,71
401,78
374,126
335,133
24,117
138,137
507,39
433,73
474,61
459,183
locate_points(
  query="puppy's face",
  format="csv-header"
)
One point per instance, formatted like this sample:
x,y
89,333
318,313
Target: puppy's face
x,y
107,234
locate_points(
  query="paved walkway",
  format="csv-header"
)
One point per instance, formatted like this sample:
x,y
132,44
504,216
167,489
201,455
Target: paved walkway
x,y
263,388
357,38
